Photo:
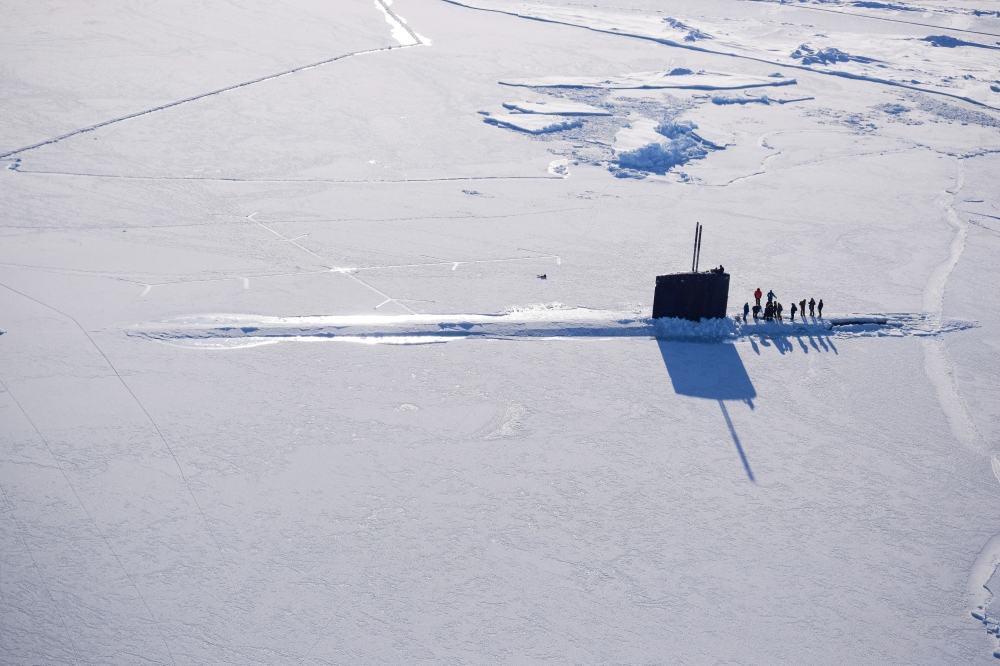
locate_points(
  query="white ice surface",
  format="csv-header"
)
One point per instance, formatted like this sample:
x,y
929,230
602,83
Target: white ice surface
x,y
640,132
482,475
880,53
531,123
560,108
654,81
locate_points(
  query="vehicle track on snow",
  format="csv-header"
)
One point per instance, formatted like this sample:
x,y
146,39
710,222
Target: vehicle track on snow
x,y
159,433
86,511
195,98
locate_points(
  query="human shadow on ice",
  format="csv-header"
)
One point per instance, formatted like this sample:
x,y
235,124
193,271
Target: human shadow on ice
x,y
819,341
713,371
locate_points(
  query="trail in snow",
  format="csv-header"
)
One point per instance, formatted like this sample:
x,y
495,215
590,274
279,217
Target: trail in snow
x,y
159,433
24,542
86,511
399,29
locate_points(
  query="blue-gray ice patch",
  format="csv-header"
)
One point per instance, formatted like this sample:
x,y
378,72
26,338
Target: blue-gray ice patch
x,y
682,146
827,56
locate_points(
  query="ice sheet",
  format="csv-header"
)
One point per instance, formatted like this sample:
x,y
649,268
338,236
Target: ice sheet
x,y
557,108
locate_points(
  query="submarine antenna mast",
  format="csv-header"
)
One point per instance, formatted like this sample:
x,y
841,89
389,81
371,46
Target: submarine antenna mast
x,y
697,247
694,252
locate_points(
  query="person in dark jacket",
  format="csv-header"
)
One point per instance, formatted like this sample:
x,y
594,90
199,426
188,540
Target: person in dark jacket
x,y
777,309
746,311
769,311
757,294
802,308
770,295
756,311
793,311
812,307
820,308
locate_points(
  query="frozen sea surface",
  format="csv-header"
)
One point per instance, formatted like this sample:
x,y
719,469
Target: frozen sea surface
x,y
507,460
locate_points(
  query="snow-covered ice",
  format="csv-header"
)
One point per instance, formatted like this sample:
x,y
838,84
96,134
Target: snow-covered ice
x,y
654,81
532,123
325,332
560,108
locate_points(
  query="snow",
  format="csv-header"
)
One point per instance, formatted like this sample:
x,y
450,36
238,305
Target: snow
x,y
872,53
653,80
531,123
281,380
560,108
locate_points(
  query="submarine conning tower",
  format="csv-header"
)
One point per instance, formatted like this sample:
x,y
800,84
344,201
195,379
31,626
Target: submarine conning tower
x,y
693,295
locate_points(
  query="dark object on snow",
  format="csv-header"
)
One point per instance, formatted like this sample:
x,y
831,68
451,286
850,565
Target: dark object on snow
x,y
802,308
854,321
693,295
793,311
820,308
812,307
770,295
756,311
746,311
543,276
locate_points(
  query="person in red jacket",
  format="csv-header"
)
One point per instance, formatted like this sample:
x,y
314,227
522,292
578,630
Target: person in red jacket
x,y
757,294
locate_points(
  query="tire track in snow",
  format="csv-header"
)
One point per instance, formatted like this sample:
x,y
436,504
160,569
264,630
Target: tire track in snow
x,y
195,98
84,507
702,49
163,439
391,16
24,542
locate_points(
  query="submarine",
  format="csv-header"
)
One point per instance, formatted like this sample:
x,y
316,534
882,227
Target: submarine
x,y
695,295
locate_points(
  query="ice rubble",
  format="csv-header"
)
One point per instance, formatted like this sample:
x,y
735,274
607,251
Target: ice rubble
x,y
654,80
826,56
889,59
531,123
648,146
722,100
558,108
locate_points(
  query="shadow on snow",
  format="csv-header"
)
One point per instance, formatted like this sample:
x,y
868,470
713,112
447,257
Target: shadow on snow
x,y
713,371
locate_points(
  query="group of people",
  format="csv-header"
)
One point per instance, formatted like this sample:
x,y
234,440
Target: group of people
x,y
773,309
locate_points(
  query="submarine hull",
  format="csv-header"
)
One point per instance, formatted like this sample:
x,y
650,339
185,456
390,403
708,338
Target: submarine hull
x,y
693,296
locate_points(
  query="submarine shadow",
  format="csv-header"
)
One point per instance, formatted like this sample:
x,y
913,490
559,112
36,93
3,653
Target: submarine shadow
x,y
713,371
